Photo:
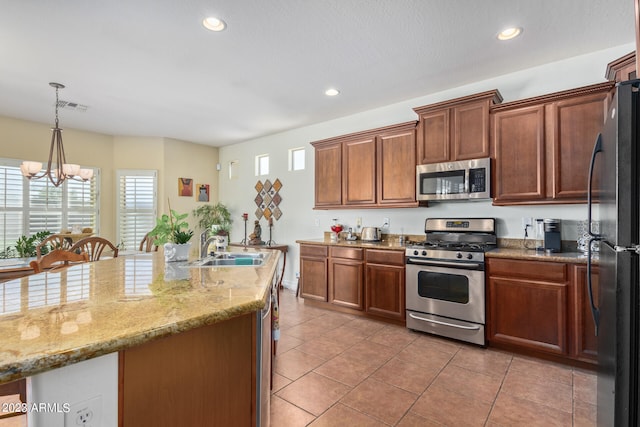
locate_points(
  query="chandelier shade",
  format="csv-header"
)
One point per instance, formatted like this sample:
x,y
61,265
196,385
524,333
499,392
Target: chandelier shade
x,y
58,170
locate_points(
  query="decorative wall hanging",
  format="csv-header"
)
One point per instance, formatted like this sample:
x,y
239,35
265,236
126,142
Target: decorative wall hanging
x,y
185,187
203,192
268,199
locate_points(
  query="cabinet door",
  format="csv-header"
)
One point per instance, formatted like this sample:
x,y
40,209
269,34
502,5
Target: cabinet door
x,y
359,171
385,291
583,330
397,168
346,283
433,137
519,149
577,122
528,314
471,131
313,278
328,175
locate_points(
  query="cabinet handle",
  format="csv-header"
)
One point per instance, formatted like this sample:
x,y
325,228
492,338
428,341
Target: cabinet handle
x,y
438,322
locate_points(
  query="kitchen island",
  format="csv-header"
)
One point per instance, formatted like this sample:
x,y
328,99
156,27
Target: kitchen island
x,y
126,307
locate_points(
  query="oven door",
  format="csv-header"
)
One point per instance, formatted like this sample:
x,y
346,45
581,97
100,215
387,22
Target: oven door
x,y
451,289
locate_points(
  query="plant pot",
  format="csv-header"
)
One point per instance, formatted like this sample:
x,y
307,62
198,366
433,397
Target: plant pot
x,y
176,252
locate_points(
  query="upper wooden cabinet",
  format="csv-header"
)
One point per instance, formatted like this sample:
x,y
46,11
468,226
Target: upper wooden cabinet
x,y
542,145
375,168
622,69
457,129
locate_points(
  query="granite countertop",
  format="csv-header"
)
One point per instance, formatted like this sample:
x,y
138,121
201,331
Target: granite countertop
x,y
532,254
49,320
391,244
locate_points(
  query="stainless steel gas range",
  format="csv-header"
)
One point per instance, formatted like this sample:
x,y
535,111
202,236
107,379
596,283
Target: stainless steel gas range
x,y
445,278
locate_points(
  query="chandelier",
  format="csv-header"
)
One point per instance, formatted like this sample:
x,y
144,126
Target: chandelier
x,y
59,170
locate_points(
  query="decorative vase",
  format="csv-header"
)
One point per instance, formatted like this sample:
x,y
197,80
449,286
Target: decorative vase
x,y
176,252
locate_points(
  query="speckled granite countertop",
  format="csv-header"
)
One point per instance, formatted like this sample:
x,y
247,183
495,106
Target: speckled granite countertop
x,y
531,254
391,244
50,320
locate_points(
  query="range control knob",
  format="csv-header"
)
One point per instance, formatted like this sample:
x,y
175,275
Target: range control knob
x,y
458,255
424,253
469,256
416,252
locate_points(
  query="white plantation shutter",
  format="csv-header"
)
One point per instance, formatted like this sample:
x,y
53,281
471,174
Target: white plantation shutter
x,y
137,207
27,207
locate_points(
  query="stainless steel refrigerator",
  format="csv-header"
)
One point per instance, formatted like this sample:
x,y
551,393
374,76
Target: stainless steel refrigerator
x,y
616,309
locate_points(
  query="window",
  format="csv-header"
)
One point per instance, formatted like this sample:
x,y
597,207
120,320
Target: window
x,y
137,207
262,164
296,159
27,207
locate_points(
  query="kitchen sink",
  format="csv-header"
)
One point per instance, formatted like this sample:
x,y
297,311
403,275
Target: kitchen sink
x,y
230,259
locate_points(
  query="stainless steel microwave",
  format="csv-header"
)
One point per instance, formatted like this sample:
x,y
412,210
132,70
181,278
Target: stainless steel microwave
x,y
463,180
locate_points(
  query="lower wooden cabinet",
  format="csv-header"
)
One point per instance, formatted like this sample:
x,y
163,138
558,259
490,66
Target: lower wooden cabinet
x,y
346,277
385,284
541,307
313,272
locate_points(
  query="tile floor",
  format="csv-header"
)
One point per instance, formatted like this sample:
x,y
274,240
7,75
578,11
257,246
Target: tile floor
x,y
335,369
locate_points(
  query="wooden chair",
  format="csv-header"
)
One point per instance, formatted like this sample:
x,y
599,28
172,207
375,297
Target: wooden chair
x,y
148,244
55,241
58,259
94,246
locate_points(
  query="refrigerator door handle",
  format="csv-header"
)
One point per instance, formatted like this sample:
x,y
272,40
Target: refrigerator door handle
x,y
595,312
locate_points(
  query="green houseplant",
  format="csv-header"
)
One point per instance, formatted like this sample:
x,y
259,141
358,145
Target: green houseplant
x,y
217,215
172,231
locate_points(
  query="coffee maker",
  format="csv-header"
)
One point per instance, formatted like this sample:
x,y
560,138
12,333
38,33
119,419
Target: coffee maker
x,y
552,238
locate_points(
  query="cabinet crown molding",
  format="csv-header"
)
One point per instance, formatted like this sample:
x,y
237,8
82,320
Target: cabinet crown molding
x,y
369,132
493,96
556,96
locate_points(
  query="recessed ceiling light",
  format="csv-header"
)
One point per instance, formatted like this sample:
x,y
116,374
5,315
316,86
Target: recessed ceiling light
x,y
509,33
331,92
214,24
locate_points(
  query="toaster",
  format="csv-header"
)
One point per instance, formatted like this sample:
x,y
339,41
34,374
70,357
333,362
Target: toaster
x,y
371,234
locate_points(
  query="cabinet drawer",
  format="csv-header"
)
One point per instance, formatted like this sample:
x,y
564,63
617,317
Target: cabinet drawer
x,y
348,253
378,256
313,251
537,270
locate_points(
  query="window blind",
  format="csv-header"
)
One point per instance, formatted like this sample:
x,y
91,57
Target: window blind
x,y
137,207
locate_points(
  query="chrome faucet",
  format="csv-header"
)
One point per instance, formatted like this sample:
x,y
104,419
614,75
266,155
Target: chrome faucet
x,y
205,240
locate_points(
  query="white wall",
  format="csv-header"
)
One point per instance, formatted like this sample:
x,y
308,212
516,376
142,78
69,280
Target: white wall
x,y
298,219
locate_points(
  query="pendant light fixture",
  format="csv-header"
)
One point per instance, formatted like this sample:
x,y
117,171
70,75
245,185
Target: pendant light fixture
x,y
58,170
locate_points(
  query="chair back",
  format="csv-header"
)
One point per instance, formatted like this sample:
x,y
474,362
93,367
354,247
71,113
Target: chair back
x,y
54,241
57,259
94,246
148,244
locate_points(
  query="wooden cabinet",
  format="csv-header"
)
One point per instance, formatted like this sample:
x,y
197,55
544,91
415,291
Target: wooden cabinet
x,y
528,304
385,284
454,130
313,272
374,168
585,342
622,69
346,277
543,146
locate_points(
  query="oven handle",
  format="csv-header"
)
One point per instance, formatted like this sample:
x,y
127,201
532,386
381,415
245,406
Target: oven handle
x,y
470,328
443,263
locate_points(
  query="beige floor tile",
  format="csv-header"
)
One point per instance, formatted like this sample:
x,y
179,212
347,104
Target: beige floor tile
x,y
370,352
548,371
486,361
287,342
294,363
450,408
414,420
584,414
314,393
434,342
305,330
285,414
585,387
341,415
330,321
323,347
279,382
428,358
380,400
394,336
406,375
514,411
476,385
346,370
346,335
536,389
368,325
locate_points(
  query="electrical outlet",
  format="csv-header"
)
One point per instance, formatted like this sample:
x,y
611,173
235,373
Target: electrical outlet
x,y
297,275
527,222
87,413
359,222
385,223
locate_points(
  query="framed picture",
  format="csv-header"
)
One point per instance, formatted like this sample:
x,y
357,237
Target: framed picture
x,y
185,187
203,192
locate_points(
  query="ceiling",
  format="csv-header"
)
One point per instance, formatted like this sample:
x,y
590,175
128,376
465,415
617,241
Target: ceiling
x,y
149,68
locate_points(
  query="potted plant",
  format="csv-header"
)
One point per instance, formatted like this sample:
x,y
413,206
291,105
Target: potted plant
x,y
172,232
214,217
